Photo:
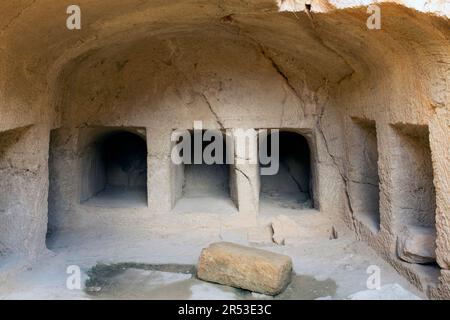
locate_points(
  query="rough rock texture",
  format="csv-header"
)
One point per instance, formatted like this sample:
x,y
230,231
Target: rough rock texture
x,y
443,290
285,230
358,96
261,235
417,244
439,128
23,195
244,267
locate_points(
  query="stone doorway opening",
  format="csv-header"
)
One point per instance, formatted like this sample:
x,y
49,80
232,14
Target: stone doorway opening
x,y
205,187
415,196
414,201
363,173
291,187
114,170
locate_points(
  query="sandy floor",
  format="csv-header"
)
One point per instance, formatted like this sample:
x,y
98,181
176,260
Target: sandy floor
x,y
119,197
222,204
324,268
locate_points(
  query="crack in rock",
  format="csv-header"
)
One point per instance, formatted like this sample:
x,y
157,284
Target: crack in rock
x,y
362,182
345,180
249,181
17,16
299,186
285,78
276,67
216,116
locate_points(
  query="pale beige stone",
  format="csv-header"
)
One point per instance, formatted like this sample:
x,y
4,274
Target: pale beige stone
x,y
417,244
284,230
232,64
245,267
261,235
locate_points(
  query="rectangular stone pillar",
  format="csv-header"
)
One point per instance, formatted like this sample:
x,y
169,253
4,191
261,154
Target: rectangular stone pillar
x,y
160,188
386,152
440,153
65,177
23,190
329,189
245,179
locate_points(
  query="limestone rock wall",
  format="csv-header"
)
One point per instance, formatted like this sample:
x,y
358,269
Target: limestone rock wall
x,y
158,67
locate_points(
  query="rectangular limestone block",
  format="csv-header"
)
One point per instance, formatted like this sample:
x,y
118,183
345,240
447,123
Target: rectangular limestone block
x,y
417,244
244,267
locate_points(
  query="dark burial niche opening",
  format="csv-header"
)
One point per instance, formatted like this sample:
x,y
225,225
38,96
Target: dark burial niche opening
x,y
291,187
413,175
414,201
363,173
115,171
205,188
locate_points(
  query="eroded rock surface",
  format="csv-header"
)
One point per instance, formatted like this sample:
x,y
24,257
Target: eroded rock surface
x,y
284,230
373,106
417,244
244,267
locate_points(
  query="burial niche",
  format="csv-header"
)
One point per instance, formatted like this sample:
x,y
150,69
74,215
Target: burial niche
x,y
291,186
204,186
114,170
363,172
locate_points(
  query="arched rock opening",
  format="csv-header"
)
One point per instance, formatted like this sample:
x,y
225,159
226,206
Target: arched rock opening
x,y
114,171
232,65
291,186
204,187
